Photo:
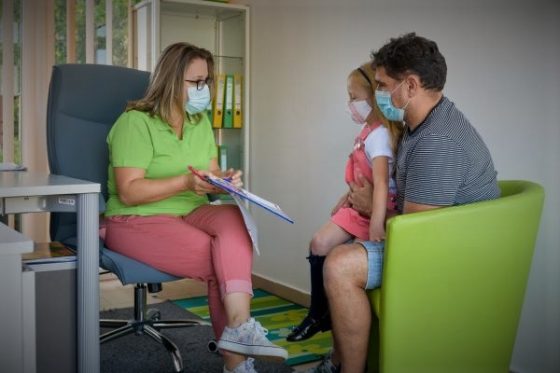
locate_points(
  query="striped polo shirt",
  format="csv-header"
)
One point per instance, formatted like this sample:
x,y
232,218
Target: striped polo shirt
x,y
444,161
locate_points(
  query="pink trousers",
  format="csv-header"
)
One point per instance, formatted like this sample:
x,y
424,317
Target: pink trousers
x,y
210,244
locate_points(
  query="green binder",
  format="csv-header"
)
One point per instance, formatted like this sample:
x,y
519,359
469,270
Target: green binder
x,y
228,112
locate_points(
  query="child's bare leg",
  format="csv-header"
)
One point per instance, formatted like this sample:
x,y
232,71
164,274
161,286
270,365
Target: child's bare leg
x,y
327,237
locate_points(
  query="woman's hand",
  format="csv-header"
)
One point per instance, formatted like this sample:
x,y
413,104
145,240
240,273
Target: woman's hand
x,y
235,176
198,185
342,202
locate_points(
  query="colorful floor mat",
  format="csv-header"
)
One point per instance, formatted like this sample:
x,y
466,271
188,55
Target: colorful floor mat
x,y
278,316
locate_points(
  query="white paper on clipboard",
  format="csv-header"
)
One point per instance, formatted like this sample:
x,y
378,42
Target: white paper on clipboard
x,y
249,223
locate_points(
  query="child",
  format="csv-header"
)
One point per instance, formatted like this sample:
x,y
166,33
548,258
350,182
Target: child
x,y
372,157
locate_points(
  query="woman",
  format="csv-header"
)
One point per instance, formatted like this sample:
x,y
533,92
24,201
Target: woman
x,y
158,212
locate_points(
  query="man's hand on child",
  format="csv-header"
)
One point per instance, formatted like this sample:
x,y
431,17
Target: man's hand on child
x,y
360,196
342,202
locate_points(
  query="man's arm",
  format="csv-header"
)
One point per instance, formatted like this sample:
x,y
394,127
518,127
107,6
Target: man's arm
x,y
410,207
360,197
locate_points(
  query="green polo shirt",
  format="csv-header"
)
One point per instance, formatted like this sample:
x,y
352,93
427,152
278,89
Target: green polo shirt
x,y
140,141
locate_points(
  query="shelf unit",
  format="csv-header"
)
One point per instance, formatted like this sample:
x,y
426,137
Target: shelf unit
x,y
221,28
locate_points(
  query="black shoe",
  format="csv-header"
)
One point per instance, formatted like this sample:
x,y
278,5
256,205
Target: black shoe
x,y
309,327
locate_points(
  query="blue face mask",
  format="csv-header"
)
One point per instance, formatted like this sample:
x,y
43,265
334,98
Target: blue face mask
x,y
198,100
385,104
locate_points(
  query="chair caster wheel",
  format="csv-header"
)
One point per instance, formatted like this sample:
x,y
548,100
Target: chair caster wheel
x,y
153,314
212,345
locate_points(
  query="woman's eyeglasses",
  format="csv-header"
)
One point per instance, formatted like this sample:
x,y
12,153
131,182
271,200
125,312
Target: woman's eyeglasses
x,y
200,83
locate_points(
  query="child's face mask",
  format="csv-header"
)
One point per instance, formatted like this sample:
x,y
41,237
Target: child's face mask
x,y
359,110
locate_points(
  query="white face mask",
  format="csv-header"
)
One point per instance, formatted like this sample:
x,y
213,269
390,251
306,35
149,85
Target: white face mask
x,y
359,111
198,100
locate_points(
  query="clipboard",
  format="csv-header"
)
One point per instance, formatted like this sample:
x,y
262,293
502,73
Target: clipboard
x,y
224,184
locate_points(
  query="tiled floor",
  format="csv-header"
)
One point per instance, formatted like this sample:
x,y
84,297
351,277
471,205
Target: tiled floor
x,y
115,295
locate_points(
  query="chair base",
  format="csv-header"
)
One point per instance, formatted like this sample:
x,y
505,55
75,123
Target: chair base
x,y
148,322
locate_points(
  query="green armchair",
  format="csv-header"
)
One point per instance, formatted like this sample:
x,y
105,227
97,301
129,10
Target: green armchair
x,y
453,285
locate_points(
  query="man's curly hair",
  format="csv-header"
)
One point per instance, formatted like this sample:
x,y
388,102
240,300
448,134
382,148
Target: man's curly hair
x,y
414,54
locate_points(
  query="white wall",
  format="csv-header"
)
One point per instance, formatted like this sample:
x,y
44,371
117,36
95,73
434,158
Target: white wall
x,y
503,73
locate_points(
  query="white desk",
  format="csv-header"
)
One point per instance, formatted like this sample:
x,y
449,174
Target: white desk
x,y
25,192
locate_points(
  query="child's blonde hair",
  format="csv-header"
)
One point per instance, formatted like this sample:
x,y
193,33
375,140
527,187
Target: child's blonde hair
x,y
365,76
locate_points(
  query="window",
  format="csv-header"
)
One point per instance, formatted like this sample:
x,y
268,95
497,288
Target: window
x,y
75,31
111,19
10,82
110,31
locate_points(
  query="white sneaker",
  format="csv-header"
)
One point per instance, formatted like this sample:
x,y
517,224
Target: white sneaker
x,y
245,366
250,339
326,366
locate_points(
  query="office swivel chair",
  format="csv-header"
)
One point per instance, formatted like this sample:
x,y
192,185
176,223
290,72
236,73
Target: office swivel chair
x,y
84,102
453,285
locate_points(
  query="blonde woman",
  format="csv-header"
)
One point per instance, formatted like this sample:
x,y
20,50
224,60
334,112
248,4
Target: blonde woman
x,y
158,212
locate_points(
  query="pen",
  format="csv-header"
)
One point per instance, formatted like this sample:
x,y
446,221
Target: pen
x,y
198,174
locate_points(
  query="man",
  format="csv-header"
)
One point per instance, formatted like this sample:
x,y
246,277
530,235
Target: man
x,y
441,161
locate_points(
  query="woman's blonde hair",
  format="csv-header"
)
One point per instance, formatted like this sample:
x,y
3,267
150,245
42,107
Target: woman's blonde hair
x,y
365,76
165,91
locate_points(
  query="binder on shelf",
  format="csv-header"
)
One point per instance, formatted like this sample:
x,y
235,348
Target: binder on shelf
x,y
49,252
237,101
218,113
228,109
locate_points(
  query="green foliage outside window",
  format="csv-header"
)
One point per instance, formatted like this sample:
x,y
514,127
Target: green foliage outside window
x,y
119,23
17,80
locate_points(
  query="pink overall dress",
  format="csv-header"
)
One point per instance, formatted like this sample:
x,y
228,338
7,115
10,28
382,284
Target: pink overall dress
x,y
346,217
